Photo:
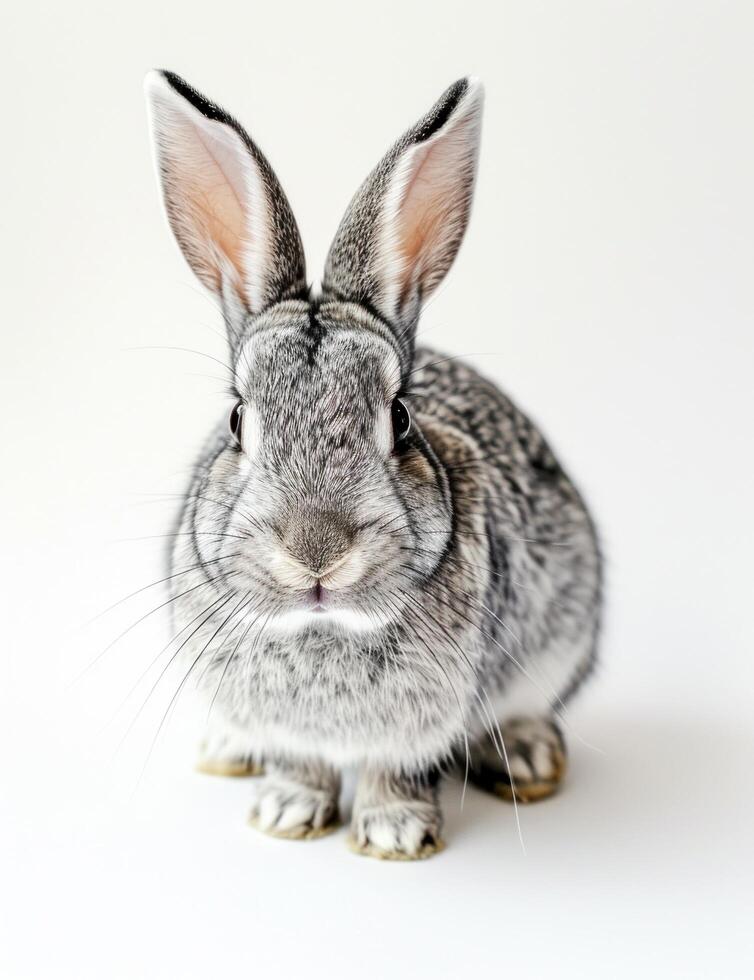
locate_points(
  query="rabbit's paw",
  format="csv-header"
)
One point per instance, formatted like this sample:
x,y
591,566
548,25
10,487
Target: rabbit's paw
x,y
535,764
232,765
397,831
223,753
284,807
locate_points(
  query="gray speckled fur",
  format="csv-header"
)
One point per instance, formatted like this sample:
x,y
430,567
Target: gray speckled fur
x,y
509,563
481,557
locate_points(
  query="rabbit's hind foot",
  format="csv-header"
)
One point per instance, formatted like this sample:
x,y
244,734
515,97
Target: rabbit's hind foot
x,y
528,766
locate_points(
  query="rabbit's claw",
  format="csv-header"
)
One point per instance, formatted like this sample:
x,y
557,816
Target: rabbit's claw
x,y
406,831
284,807
530,767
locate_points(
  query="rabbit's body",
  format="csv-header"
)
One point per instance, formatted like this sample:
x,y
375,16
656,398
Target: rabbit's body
x,y
510,614
382,564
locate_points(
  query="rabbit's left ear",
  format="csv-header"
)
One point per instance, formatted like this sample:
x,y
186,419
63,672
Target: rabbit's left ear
x,y
403,228
224,203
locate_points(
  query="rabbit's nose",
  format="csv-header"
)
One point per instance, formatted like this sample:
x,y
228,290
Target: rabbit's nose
x,y
318,547
317,538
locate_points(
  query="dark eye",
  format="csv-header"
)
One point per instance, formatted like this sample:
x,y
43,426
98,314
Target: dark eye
x,y
235,422
401,421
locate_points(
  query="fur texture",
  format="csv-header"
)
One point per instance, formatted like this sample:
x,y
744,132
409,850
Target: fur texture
x,y
343,599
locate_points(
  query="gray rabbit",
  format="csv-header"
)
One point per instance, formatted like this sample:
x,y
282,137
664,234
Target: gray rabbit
x,y
380,563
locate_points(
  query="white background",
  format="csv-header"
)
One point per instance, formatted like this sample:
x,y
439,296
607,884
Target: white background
x,y
606,282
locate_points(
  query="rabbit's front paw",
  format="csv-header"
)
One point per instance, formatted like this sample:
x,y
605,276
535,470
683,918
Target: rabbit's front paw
x,y
237,765
287,808
397,831
225,753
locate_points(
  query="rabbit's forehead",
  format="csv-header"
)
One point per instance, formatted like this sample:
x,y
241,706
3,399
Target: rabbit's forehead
x,y
313,361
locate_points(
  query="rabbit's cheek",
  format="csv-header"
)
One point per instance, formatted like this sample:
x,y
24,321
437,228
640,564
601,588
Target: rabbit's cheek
x,y
417,468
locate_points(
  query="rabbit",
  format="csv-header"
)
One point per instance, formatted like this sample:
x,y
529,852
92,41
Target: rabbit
x,y
380,565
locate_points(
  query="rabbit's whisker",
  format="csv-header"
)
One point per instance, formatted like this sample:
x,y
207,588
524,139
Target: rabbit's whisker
x,y
465,563
210,610
182,684
443,602
231,508
454,357
232,657
503,753
488,636
255,641
185,350
133,625
216,657
160,581
445,637
560,712
181,534
151,664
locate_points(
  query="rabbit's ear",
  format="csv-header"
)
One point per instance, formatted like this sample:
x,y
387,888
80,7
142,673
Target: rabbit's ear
x,y
223,201
403,228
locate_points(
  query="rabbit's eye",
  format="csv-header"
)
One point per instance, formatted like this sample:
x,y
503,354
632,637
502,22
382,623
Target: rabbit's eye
x,y
401,421
235,422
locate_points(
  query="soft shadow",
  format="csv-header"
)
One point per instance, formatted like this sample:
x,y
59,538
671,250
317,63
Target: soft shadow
x,y
683,781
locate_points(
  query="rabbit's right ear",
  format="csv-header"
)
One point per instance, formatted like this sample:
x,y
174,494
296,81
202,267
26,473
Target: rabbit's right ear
x,y
224,204
404,227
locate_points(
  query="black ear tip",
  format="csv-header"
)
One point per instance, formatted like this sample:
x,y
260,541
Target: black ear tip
x,y
156,76
468,85
445,106
182,87
160,77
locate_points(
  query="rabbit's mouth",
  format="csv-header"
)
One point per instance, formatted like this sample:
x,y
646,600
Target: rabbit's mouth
x,y
320,609
318,599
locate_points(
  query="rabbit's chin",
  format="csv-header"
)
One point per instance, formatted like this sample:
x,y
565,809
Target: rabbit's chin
x,y
336,620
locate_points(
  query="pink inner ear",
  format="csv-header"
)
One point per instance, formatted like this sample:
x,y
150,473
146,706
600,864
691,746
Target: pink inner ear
x,y
416,209
210,184
207,193
218,222
433,211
